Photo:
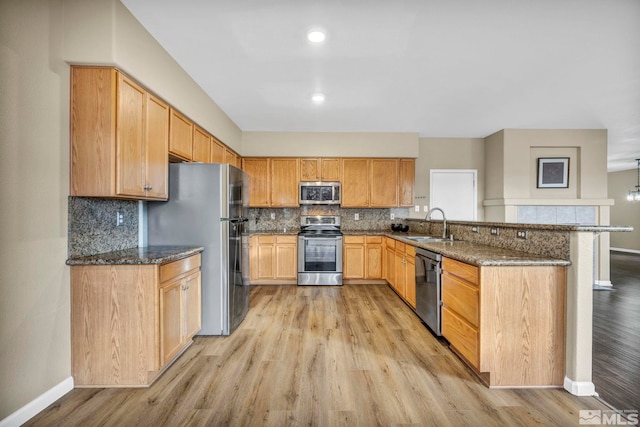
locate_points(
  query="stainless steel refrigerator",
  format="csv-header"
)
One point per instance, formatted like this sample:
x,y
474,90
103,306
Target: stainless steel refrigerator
x,y
207,207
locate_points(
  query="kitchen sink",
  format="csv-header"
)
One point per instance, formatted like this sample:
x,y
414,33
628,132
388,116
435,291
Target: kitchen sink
x,y
425,239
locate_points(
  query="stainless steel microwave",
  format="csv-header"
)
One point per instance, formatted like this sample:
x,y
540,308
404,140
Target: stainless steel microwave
x,y
319,193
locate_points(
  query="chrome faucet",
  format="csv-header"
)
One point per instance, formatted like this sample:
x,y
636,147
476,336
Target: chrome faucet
x,y
444,220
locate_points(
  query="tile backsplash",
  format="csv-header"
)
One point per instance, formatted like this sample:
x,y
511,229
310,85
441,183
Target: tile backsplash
x,y
93,229
289,218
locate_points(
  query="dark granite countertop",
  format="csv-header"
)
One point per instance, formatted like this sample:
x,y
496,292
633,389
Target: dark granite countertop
x,y
469,252
479,255
550,227
279,232
138,256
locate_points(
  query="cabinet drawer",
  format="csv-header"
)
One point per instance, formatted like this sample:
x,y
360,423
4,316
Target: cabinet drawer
x,y
390,243
354,239
461,298
291,240
400,246
374,239
462,336
461,269
175,268
266,240
410,251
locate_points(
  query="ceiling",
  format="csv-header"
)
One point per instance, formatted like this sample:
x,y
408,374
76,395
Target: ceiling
x,y
462,68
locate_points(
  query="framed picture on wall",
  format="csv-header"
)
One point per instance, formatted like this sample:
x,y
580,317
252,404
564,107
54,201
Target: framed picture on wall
x,y
553,172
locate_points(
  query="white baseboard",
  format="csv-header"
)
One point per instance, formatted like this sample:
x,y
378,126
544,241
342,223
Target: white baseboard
x,y
631,251
603,283
34,407
580,388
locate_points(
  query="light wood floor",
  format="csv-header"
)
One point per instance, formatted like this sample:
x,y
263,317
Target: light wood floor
x,y
319,356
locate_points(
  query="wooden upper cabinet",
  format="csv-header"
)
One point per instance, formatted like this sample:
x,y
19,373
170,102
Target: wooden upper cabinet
x,y
383,183
130,141
201,145
284,182
181,136
355,182
217,151
232,158
310,169
157,136
406,181
259,180
319,169
331,169
118,137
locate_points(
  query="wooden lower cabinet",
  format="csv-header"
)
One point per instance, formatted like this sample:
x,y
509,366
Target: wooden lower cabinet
x,y
129,322
273,260
401,271
507,322
362,258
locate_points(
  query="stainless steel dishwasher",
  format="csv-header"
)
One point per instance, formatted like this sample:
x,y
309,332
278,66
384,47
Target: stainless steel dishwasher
x,y
429,289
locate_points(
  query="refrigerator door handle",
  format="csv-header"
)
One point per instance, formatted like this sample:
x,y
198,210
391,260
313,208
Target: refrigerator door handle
x,y
237,219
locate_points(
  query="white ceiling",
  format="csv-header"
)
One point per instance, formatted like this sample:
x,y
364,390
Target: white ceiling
x,y
458,68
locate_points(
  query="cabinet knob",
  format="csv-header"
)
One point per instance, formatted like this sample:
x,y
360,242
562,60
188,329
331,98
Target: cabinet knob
x,y
148,187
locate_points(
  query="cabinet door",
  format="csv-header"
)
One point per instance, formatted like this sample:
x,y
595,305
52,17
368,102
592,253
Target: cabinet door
x,y
400,273
266,261
355,183
232,158
157,143
286,265
410,281
383,183
192,305
284,182
406,181
330,170
217,151
181,136
201,146
310,169
391,266
259,182
171,327
374,257
353,257
130,145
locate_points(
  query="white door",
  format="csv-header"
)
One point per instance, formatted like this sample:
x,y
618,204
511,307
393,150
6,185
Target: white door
x,y
455,192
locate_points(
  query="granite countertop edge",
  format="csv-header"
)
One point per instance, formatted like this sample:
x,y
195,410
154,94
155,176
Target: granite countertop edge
x,y
137,256
472,253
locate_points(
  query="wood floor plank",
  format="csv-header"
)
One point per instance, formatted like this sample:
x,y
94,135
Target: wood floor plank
x,y
354,355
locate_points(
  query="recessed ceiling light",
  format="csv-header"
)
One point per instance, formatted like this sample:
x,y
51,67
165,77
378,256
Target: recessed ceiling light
x,y
316,36
318,98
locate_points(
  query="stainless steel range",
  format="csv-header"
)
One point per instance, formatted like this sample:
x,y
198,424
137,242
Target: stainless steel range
x,y
320,251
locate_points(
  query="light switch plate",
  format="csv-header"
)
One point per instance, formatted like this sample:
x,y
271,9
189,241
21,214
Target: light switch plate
x,y
417,208
425,208
356,216
273,215
393,216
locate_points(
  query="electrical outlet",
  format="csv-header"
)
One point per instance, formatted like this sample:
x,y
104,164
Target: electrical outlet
x,y
474,229
495,231
522,234
273,215
393,216
416,208
425,208
119,219
356,216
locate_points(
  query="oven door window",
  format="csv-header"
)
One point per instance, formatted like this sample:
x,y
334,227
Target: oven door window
x,y
320,255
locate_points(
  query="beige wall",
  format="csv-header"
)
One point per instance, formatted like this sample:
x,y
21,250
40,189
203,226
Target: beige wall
x,y
624,212
448,153
34,123
330,144
104,32
37,38
511,163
